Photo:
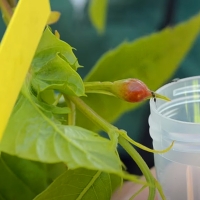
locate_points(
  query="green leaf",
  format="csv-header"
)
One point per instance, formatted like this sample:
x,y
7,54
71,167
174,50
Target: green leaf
x,y
152,59
57,74
48,96
53,109
36,135
24,179
90,185
49,46
97,14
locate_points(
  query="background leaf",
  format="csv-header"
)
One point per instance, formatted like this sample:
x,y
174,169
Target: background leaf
x,y
152,59
82,184
41,138
24,179
97,13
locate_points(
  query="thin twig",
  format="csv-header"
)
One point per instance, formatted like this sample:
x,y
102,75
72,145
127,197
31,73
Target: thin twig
x,y
138,192
12,3
72,114
6,10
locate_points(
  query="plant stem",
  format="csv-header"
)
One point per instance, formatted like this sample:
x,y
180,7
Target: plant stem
x,y
141,164
99,87
6,10
72,114
107,127
91,114
138,192
57,99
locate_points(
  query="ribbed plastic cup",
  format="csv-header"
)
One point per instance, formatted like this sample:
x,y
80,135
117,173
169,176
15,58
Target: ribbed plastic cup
x,y
178,170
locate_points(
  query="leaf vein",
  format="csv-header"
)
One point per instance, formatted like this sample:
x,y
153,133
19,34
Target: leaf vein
x,y
90,184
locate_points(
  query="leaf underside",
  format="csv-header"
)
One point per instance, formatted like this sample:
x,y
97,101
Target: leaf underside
x,y
41,138
24,179
82,184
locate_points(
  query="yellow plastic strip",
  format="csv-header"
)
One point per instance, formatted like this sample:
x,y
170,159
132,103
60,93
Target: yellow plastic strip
x,y
17,50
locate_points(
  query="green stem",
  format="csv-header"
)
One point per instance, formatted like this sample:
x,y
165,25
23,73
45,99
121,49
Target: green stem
x,y
138,192
57,99
125,136
91,114
99,87
107,127
72,114
141,164
6,10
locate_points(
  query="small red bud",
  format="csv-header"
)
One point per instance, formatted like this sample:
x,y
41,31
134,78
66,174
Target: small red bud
x,y
134,90
131,90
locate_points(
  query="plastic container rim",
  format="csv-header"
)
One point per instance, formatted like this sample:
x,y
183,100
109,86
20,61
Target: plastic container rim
x,y
154,109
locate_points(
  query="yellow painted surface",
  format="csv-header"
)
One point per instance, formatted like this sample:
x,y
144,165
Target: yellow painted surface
x,y
17,50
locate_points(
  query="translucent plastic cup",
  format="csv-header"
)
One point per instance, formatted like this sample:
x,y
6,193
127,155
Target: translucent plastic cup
x,y
178,170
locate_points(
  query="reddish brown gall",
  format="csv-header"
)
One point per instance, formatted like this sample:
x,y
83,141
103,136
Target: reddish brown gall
x,y
131,90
